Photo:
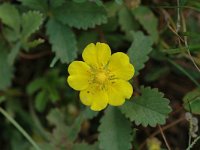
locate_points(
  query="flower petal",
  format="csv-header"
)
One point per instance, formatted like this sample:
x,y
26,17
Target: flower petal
x,y
78,82
97,99
103,53
96,55
78,68
79,75
120,66
90,55
118,91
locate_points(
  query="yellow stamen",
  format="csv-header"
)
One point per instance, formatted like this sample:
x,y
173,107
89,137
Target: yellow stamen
x,y
101,77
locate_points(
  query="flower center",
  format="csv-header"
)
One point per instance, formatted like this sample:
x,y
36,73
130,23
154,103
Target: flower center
x,y
101,77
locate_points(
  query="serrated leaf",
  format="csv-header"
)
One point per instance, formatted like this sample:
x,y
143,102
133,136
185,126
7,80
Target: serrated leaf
x,y
63,41
148,20
85,146
115,131
148,109
55,117
81,15
192,101
139,50
76,126
41,5
10,16
6,71
31,22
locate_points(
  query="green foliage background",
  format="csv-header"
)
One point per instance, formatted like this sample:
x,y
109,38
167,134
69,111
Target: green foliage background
x,y
39,38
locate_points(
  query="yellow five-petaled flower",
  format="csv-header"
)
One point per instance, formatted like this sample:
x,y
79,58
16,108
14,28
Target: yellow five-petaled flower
x,y
101,78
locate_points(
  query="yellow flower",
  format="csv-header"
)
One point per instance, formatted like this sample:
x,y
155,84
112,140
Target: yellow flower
x,y
153,144
101,78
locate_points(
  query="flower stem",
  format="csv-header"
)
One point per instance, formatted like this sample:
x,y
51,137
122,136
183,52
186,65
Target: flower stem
x,y
23,132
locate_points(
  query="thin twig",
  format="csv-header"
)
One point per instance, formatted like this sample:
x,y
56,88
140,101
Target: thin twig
x,y
101,34
168,126
178,23
168,18
34,56
37,122
173,30
186,43
163,128
194,142
164,138
19,128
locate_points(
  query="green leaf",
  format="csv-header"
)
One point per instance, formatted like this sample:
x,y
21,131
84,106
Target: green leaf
x,y
111,26
10,35
99,2
41,101
56,3
112,8
13,54
63,41
115,39
41,5
184,71
148,20
85,146
35,85
6,71
53,93
194,4
148,109
81,15
192,101
115,131
55,117
75,128
31,22
2,99
156,73
85,38
182,2
17,141
10,16
32,44
79,1
119,1
126,20
44,146
139,50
